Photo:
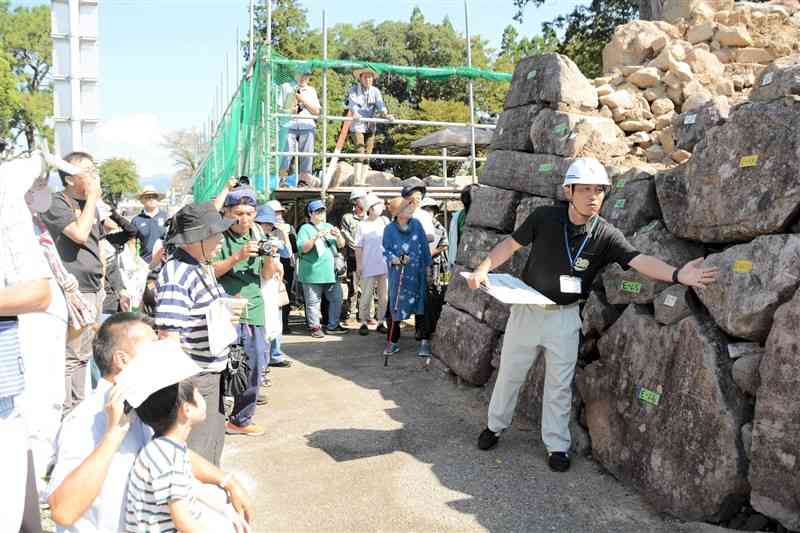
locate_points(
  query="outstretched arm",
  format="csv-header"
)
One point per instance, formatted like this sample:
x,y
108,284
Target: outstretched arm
x,y
499,255
692,274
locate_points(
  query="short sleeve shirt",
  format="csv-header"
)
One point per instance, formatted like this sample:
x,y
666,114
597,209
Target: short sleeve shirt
x,y
151,230
315,266
369,237
81,260
244,279
161,474
544,229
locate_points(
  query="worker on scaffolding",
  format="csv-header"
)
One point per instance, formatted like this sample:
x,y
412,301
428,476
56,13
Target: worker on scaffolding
x,y
364,100
300,98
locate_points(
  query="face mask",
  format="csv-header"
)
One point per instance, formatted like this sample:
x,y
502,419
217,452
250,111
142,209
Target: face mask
x,y
38,200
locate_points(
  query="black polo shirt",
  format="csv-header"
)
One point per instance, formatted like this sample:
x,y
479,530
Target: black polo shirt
x,y
548,260
151,229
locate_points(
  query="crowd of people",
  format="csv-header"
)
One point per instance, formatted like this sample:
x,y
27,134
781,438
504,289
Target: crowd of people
x,y
87,295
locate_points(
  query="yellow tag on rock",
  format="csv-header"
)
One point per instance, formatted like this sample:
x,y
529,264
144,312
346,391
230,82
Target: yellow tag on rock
x,y
743,266
748,161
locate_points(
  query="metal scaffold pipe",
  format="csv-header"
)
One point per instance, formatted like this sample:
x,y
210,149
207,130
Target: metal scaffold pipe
x,y
471,96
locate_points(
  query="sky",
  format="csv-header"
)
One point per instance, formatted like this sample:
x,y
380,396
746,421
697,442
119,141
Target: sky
x,y
161,60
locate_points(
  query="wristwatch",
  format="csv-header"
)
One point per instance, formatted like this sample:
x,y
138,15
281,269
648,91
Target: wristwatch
x,y
675,276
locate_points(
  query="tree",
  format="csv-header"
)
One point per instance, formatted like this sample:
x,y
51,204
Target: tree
x,y
117,176
25,41
187,149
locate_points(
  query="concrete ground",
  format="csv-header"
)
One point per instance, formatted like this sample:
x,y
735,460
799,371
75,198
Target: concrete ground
x,y
352,445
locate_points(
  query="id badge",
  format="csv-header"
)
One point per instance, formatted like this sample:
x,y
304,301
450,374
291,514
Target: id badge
x,y
570,284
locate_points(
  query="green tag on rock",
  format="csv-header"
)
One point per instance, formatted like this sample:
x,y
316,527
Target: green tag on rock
x,y
531,74
619,184
561,129
633,287
649,396
619,204
546,167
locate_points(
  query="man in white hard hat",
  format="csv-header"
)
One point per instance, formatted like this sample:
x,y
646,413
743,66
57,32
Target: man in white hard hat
x,y
571,245
349,228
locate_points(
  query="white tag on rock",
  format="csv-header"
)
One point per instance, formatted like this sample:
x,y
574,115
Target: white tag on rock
x,y
670,300
767,79
691,118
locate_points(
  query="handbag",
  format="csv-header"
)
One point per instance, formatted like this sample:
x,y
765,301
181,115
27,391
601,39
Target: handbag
x,y
283,295
236,376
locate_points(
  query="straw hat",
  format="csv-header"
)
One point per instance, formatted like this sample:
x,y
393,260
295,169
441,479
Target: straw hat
x,y
151,191
359,71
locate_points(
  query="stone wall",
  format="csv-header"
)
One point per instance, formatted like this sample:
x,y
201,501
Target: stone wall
x,y
687,395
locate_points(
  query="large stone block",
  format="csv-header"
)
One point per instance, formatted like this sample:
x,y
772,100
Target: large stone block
x,y
550,79
598,315
755,278
513,130
781,78
742,180
671,305
775,465
465,345
689,128
494,208
574,135
675,10
635,43
664,415
476,302
536,174
632,202
628,286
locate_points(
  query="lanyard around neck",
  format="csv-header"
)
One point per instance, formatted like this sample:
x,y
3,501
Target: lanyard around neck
x,y
573,260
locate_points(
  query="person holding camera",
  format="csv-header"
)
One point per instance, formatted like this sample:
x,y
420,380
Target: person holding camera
x,y
300,98
239,267
408,256
318,243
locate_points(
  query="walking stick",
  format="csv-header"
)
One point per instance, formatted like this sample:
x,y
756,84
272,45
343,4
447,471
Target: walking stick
x,y
396,308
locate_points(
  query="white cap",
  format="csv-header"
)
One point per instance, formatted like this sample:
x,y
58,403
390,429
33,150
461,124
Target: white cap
x,y
275,205
429,202
358,193
586,171
372,200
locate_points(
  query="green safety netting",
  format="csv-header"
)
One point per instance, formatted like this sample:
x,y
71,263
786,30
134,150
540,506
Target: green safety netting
x,y
248,134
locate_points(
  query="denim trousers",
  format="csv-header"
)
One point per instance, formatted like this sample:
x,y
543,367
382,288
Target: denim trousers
x,y
255,346
313,294
299,141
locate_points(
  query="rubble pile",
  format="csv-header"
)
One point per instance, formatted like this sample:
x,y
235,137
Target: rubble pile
x,y
690,396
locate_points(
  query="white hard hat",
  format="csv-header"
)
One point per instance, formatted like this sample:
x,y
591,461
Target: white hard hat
x,y
371,201
275,205
358,194
586,171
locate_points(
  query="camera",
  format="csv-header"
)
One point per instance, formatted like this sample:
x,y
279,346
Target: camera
x,y
265,248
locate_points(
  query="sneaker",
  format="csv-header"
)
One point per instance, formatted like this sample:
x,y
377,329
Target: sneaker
x,y
391,349
317,334
558,461
266,382
281,364
363,330
262,400
382,328
424,349
338,330
251,430
488,439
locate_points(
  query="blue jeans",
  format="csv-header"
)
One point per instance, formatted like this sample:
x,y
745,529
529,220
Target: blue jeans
x,y
255,346
313,294
299,141
276,355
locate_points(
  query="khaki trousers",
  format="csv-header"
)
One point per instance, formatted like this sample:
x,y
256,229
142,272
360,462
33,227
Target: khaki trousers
x,y
368,287
530,326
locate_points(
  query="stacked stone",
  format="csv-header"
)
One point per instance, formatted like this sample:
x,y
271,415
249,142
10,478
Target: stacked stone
x,y
692,396
659,75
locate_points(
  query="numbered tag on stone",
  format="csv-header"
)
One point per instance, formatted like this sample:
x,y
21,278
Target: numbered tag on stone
x,y
767,79
670,300
748,161
690,119
648,396
633,287
546,167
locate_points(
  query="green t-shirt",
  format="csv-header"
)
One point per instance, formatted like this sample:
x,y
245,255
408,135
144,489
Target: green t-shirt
x,y
244,279
313,267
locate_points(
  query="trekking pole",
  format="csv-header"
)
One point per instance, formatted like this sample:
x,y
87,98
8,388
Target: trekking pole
x,y
396,308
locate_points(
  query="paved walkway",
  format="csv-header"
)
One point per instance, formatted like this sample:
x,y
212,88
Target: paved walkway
x,y
354,446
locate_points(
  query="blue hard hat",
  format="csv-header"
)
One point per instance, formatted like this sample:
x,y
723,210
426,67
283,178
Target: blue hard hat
x,y
265,215
315,205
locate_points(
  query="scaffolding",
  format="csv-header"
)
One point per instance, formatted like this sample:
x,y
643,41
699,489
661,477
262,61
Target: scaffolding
x,y
247,133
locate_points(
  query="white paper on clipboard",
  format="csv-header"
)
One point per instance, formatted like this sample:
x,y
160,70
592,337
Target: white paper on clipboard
x,y
511,290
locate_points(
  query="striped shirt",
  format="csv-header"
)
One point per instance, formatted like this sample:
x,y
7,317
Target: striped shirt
x,y
184,291
161,474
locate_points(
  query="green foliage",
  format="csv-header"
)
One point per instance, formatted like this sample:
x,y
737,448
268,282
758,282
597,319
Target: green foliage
x,y
118,175
587,29
25,60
